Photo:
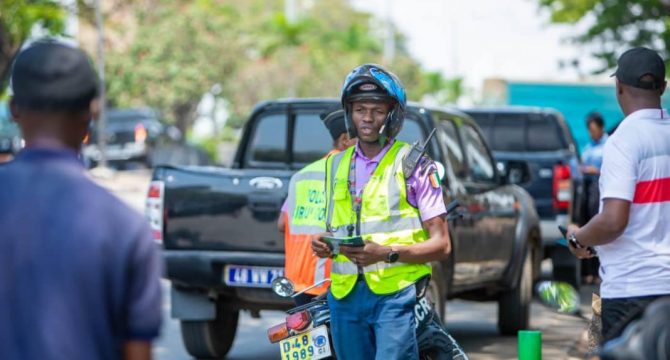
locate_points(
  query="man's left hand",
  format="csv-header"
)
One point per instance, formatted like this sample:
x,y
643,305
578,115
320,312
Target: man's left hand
x,y
590,170
582,253
366,255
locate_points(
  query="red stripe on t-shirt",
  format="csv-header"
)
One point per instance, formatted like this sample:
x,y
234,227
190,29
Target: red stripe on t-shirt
x,y
653,191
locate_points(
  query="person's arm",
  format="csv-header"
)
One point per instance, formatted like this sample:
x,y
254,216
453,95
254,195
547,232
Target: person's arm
x,y
281,222
142,296
606,226
590,170
319,247
619,180
437,247
430,203
137,350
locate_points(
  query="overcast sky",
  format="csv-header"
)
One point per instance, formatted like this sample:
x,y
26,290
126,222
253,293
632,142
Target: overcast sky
x,y
479,39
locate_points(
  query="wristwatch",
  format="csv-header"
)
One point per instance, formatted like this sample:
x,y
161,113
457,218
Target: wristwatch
x,y
572,238
392,256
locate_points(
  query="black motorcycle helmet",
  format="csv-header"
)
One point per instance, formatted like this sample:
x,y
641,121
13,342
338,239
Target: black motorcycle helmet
x,y
373,82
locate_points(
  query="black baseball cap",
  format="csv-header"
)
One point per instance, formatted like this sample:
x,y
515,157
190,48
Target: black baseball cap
x,y
334,121
52,75
638,62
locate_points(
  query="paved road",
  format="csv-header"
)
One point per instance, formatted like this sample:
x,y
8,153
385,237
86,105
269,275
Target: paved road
x,y
473,324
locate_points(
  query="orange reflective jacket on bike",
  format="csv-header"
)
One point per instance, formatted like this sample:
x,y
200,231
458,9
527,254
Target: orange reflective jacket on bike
x,y
305,215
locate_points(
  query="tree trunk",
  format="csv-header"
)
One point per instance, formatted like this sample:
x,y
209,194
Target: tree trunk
x,y
184,116
7,52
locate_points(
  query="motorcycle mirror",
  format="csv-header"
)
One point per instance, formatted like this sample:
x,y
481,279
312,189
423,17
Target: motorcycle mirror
x,y
559,296
283,287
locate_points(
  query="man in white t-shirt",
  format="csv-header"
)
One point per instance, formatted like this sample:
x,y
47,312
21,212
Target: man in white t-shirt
x,y
631,234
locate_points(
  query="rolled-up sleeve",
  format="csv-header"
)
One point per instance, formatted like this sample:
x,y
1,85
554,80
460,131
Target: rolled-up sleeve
x,y
143,295
423,194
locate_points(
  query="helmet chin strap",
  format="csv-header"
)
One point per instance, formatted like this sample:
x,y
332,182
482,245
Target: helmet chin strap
x,y
383,138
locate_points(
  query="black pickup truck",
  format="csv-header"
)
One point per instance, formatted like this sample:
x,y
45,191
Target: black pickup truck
x,y
541,137
222,248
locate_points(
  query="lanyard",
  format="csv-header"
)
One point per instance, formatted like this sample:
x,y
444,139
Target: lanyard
x,y
356,198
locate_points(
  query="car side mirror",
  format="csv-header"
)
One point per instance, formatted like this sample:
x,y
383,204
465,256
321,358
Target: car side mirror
x,y
514,172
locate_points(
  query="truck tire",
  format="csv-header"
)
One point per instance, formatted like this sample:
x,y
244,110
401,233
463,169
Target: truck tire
x,y
210,339
436,292
514,304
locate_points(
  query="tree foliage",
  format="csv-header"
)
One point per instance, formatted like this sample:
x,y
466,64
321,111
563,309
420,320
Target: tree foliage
x,y
181,48
179,51
17,21
613,25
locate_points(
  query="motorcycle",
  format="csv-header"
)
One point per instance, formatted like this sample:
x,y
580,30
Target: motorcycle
x,y
305,335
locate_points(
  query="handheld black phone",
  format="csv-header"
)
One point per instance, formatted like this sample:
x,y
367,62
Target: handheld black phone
x,y
574,243
334,242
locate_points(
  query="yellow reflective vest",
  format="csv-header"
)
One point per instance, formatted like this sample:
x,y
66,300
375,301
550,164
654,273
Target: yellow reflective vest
x,y
386,218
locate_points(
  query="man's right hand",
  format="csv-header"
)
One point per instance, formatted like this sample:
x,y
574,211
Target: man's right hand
x,y
319,247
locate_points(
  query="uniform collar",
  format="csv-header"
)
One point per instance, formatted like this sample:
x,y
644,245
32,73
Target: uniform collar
x,y
42,152
649,114
359,153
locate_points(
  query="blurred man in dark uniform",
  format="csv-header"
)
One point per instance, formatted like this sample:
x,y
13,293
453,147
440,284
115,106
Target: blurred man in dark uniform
x,y
79,272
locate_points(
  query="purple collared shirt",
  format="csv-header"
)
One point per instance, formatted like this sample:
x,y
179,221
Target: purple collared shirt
x,y
420,193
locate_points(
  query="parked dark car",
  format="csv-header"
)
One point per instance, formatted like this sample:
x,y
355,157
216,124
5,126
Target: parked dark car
x,y
131,135
542,138
222,248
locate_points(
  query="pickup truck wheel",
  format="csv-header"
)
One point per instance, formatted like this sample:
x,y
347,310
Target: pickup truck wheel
x,y
435,292
514,304
210,339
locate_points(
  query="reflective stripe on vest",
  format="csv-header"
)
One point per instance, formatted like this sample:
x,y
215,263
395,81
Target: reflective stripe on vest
x,y
306,215
386,219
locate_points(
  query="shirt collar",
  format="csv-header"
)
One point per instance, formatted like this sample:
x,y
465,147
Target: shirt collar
x,y
359,153
650,114
48,152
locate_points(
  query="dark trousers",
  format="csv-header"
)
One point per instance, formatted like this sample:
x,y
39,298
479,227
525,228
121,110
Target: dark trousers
x,y
618,313
367,326
591,266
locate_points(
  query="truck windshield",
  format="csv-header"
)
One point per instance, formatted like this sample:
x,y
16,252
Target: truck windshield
x,y
519,132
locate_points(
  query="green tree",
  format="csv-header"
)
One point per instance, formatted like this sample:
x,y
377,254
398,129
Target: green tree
x,y
181,48
17,21
613,25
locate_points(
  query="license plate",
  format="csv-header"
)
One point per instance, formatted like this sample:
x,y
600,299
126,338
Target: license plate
x,y
251,276
311,345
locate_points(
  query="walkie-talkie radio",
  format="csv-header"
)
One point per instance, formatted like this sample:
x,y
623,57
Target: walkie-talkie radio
x,y
414,156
